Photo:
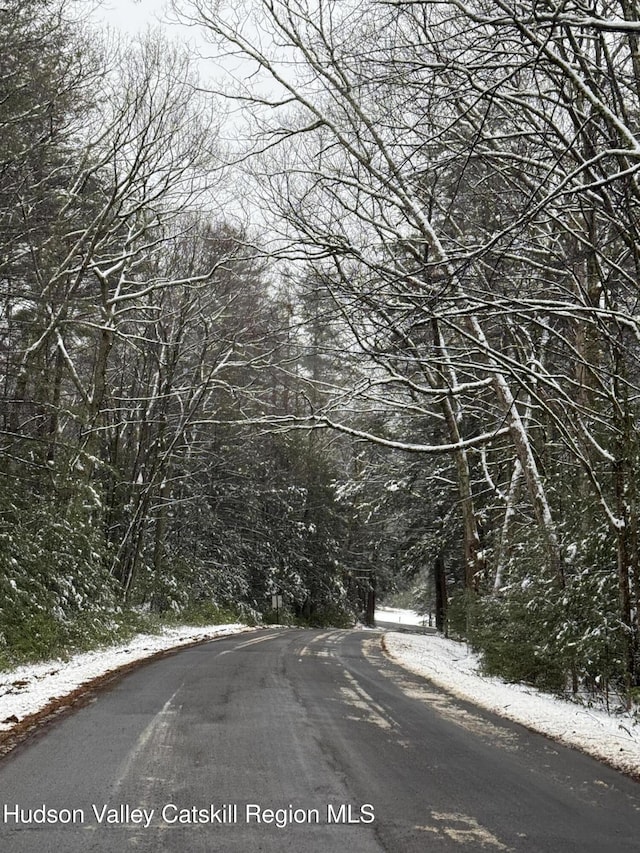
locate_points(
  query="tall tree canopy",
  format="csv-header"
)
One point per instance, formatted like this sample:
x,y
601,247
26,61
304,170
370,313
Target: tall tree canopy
x,y
463,178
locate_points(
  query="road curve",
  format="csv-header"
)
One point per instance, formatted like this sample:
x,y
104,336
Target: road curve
x,y
305,741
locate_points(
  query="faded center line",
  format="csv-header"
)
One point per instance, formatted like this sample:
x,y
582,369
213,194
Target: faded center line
x,y
247,643
446,706
357,697
463,830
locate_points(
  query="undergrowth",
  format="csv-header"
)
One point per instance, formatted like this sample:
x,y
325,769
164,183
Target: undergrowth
x,y
43,637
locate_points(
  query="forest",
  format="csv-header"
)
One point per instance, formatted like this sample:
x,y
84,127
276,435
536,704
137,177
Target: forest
x,y
361,309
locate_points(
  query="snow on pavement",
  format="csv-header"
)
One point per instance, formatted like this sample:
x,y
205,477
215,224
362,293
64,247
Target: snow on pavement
x,y
28,689
614,739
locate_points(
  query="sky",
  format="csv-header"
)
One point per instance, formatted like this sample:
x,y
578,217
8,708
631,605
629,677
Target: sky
x,y
134,16
131,15
221,74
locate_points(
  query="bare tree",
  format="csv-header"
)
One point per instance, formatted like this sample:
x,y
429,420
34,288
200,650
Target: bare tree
x,y
466,175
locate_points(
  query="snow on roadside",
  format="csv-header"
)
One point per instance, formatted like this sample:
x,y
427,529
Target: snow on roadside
x,y
399,616
28,689
613,739
451,665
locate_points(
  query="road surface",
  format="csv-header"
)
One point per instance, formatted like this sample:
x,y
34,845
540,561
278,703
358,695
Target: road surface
x,y
305,741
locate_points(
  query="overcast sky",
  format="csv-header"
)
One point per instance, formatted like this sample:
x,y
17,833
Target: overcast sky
x,y
131,15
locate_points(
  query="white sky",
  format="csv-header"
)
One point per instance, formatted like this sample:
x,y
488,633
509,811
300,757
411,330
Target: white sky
x,y
131,15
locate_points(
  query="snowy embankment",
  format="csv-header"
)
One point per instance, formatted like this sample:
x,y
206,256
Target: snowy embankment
x,y
399,616
613,738
29,689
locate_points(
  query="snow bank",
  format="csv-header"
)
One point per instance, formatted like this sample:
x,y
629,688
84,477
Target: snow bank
x,y
614,739
399,616
28,689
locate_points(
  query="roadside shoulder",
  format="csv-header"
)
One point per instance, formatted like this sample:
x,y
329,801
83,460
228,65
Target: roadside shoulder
x,y
614,739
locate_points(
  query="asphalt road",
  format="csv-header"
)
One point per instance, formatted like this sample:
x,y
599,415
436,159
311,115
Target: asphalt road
x,y
305,741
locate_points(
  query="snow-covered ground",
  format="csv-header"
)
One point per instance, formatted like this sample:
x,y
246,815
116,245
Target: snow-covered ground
x,y
612,738
399,616
28,689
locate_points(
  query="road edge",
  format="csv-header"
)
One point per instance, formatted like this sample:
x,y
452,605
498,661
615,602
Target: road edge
x,y
60,706
608,761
